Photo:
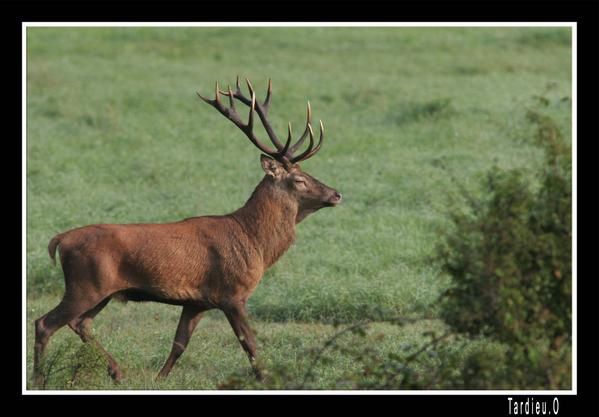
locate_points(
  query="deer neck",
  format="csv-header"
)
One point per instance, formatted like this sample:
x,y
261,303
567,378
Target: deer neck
x,y
269,218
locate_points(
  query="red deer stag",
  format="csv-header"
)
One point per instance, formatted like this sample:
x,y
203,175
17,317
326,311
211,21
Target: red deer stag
x,y
198,263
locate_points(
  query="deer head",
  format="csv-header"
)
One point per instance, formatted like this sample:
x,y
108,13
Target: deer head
x,y
280,164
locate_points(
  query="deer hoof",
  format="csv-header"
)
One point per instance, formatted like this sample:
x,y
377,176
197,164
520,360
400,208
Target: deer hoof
x,y
115,374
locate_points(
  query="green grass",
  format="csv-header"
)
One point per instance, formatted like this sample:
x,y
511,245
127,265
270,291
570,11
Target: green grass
x,y
142,342
116,134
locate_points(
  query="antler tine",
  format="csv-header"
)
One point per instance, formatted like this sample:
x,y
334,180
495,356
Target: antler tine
x,y
317,148
303,155
216,91
251,116
231,100
306,131
215,102
266,104
238,94
310,152
250,87
237,85
207,100
289,136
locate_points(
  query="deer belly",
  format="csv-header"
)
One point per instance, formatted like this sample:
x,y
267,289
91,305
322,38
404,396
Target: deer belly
x,y
162,286
168,296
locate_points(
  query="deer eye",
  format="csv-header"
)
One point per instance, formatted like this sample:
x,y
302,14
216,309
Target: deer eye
x,y
300,181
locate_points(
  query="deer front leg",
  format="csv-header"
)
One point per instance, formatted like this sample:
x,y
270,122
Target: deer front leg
x,y
238,319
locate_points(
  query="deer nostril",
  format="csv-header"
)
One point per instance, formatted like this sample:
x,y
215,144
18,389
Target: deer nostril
x,y
337,196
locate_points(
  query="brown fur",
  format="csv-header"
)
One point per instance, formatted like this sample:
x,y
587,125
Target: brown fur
x,y
199,263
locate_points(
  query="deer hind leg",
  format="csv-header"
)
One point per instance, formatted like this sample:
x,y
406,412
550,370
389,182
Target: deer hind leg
x,y
190,317
82,327
68,309
238,320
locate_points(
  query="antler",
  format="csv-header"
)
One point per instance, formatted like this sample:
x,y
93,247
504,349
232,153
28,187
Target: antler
x,y
282,153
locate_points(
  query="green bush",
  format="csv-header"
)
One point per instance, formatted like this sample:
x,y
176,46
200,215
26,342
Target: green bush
x,y
509,257
73,365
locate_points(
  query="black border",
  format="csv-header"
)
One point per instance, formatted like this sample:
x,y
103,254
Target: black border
x,y
585,13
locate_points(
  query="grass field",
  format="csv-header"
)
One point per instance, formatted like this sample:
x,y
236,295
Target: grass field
x,y
116,134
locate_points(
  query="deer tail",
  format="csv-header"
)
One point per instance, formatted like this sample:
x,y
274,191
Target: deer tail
x,y
54,242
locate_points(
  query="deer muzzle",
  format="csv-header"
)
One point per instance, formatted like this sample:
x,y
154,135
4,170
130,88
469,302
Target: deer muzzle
x,y
334,199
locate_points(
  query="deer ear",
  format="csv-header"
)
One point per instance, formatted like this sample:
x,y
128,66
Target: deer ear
x,y
271,166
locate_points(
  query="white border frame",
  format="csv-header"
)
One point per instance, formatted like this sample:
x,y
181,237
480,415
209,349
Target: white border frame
x,y
25,25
